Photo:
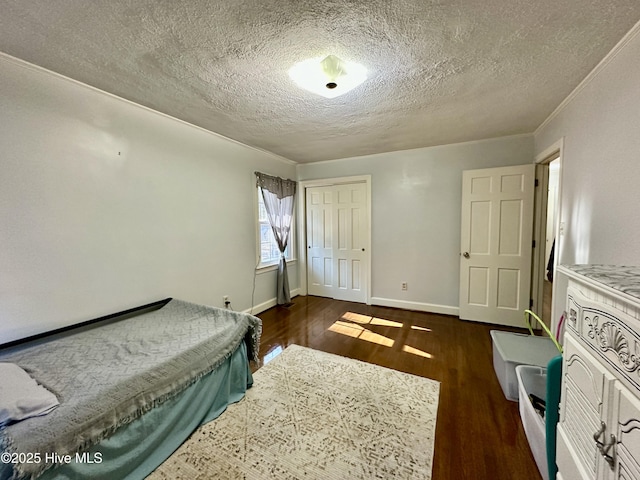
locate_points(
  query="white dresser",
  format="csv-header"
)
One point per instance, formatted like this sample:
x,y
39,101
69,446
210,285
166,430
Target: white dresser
x,y
599,426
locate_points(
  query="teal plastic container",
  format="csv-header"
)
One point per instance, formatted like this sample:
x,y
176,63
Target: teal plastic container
x,y
554,381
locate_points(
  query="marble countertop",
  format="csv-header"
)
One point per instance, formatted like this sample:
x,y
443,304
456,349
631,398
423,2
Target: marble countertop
x,y
625,279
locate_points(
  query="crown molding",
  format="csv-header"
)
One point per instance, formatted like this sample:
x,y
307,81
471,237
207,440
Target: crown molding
x,y
630,35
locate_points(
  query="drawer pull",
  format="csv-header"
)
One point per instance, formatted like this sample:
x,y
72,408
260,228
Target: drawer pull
x,y
603,447
596,436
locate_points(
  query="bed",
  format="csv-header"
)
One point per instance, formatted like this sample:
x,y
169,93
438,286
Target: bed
x,y
124,393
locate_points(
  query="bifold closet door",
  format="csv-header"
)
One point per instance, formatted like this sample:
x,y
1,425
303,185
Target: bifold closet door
x,y
337,233
320,241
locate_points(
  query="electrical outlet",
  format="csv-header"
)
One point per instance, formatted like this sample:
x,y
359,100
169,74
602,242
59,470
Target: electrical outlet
x,y
404,285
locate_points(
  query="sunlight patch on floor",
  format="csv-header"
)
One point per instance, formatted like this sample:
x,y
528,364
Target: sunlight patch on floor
x,y
353,325
416,351
273,353
422,329
385,323
357,317
369,320
356,331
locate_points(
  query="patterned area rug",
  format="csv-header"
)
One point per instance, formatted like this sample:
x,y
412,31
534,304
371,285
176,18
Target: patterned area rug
x,y
315,415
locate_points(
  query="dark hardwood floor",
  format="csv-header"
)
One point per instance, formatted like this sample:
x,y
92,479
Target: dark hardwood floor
x,y
478,432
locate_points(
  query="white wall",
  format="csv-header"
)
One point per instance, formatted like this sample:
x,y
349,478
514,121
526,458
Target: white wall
x,y
416,203
600,123
601,162
105,205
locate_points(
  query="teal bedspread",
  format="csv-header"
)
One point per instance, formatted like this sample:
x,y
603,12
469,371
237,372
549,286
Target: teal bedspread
x,y
137,449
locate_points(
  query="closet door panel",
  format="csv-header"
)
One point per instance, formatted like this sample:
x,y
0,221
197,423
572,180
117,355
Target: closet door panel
x,y
320,280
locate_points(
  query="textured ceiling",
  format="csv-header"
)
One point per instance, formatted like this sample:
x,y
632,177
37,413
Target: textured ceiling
x,y
440,71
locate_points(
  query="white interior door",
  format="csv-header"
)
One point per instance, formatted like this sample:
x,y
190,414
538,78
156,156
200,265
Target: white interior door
x,y
496,244
337,239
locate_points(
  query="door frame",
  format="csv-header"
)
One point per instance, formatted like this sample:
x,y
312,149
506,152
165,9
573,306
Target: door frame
x,y
538,272
302,226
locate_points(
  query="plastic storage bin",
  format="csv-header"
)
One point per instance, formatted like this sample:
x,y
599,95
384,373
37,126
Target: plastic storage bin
x,y
513,349
533,380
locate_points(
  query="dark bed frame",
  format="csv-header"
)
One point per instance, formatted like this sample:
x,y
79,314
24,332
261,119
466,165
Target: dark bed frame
x,y
78,327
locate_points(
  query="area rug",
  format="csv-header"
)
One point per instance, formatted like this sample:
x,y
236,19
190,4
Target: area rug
x,y
316,415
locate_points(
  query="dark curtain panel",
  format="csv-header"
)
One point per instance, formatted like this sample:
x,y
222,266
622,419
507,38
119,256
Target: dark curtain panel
x,y
278,195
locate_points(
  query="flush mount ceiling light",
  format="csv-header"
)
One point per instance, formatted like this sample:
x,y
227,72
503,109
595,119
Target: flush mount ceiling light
x,y
328,76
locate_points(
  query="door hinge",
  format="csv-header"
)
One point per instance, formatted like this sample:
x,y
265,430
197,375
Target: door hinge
x,y
537,183
531,303
533,244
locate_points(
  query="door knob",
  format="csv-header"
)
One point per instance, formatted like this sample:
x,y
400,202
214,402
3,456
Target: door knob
x,y
466,255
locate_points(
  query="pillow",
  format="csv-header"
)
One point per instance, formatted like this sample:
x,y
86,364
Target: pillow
x,y
21,397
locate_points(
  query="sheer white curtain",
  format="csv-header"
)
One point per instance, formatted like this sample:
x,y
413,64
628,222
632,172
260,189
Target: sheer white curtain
x,y
278,195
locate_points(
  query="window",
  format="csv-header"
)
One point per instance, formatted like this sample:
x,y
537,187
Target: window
x,y
269,253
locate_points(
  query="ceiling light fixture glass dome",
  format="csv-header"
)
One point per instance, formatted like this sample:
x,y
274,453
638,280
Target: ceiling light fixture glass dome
x,y
328,76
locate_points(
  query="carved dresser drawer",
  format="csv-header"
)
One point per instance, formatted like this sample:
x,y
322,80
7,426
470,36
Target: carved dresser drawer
x,y
599,426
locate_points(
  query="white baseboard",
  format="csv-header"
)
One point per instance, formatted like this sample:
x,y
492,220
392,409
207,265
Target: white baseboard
x,y
383,302
421,307
269,303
